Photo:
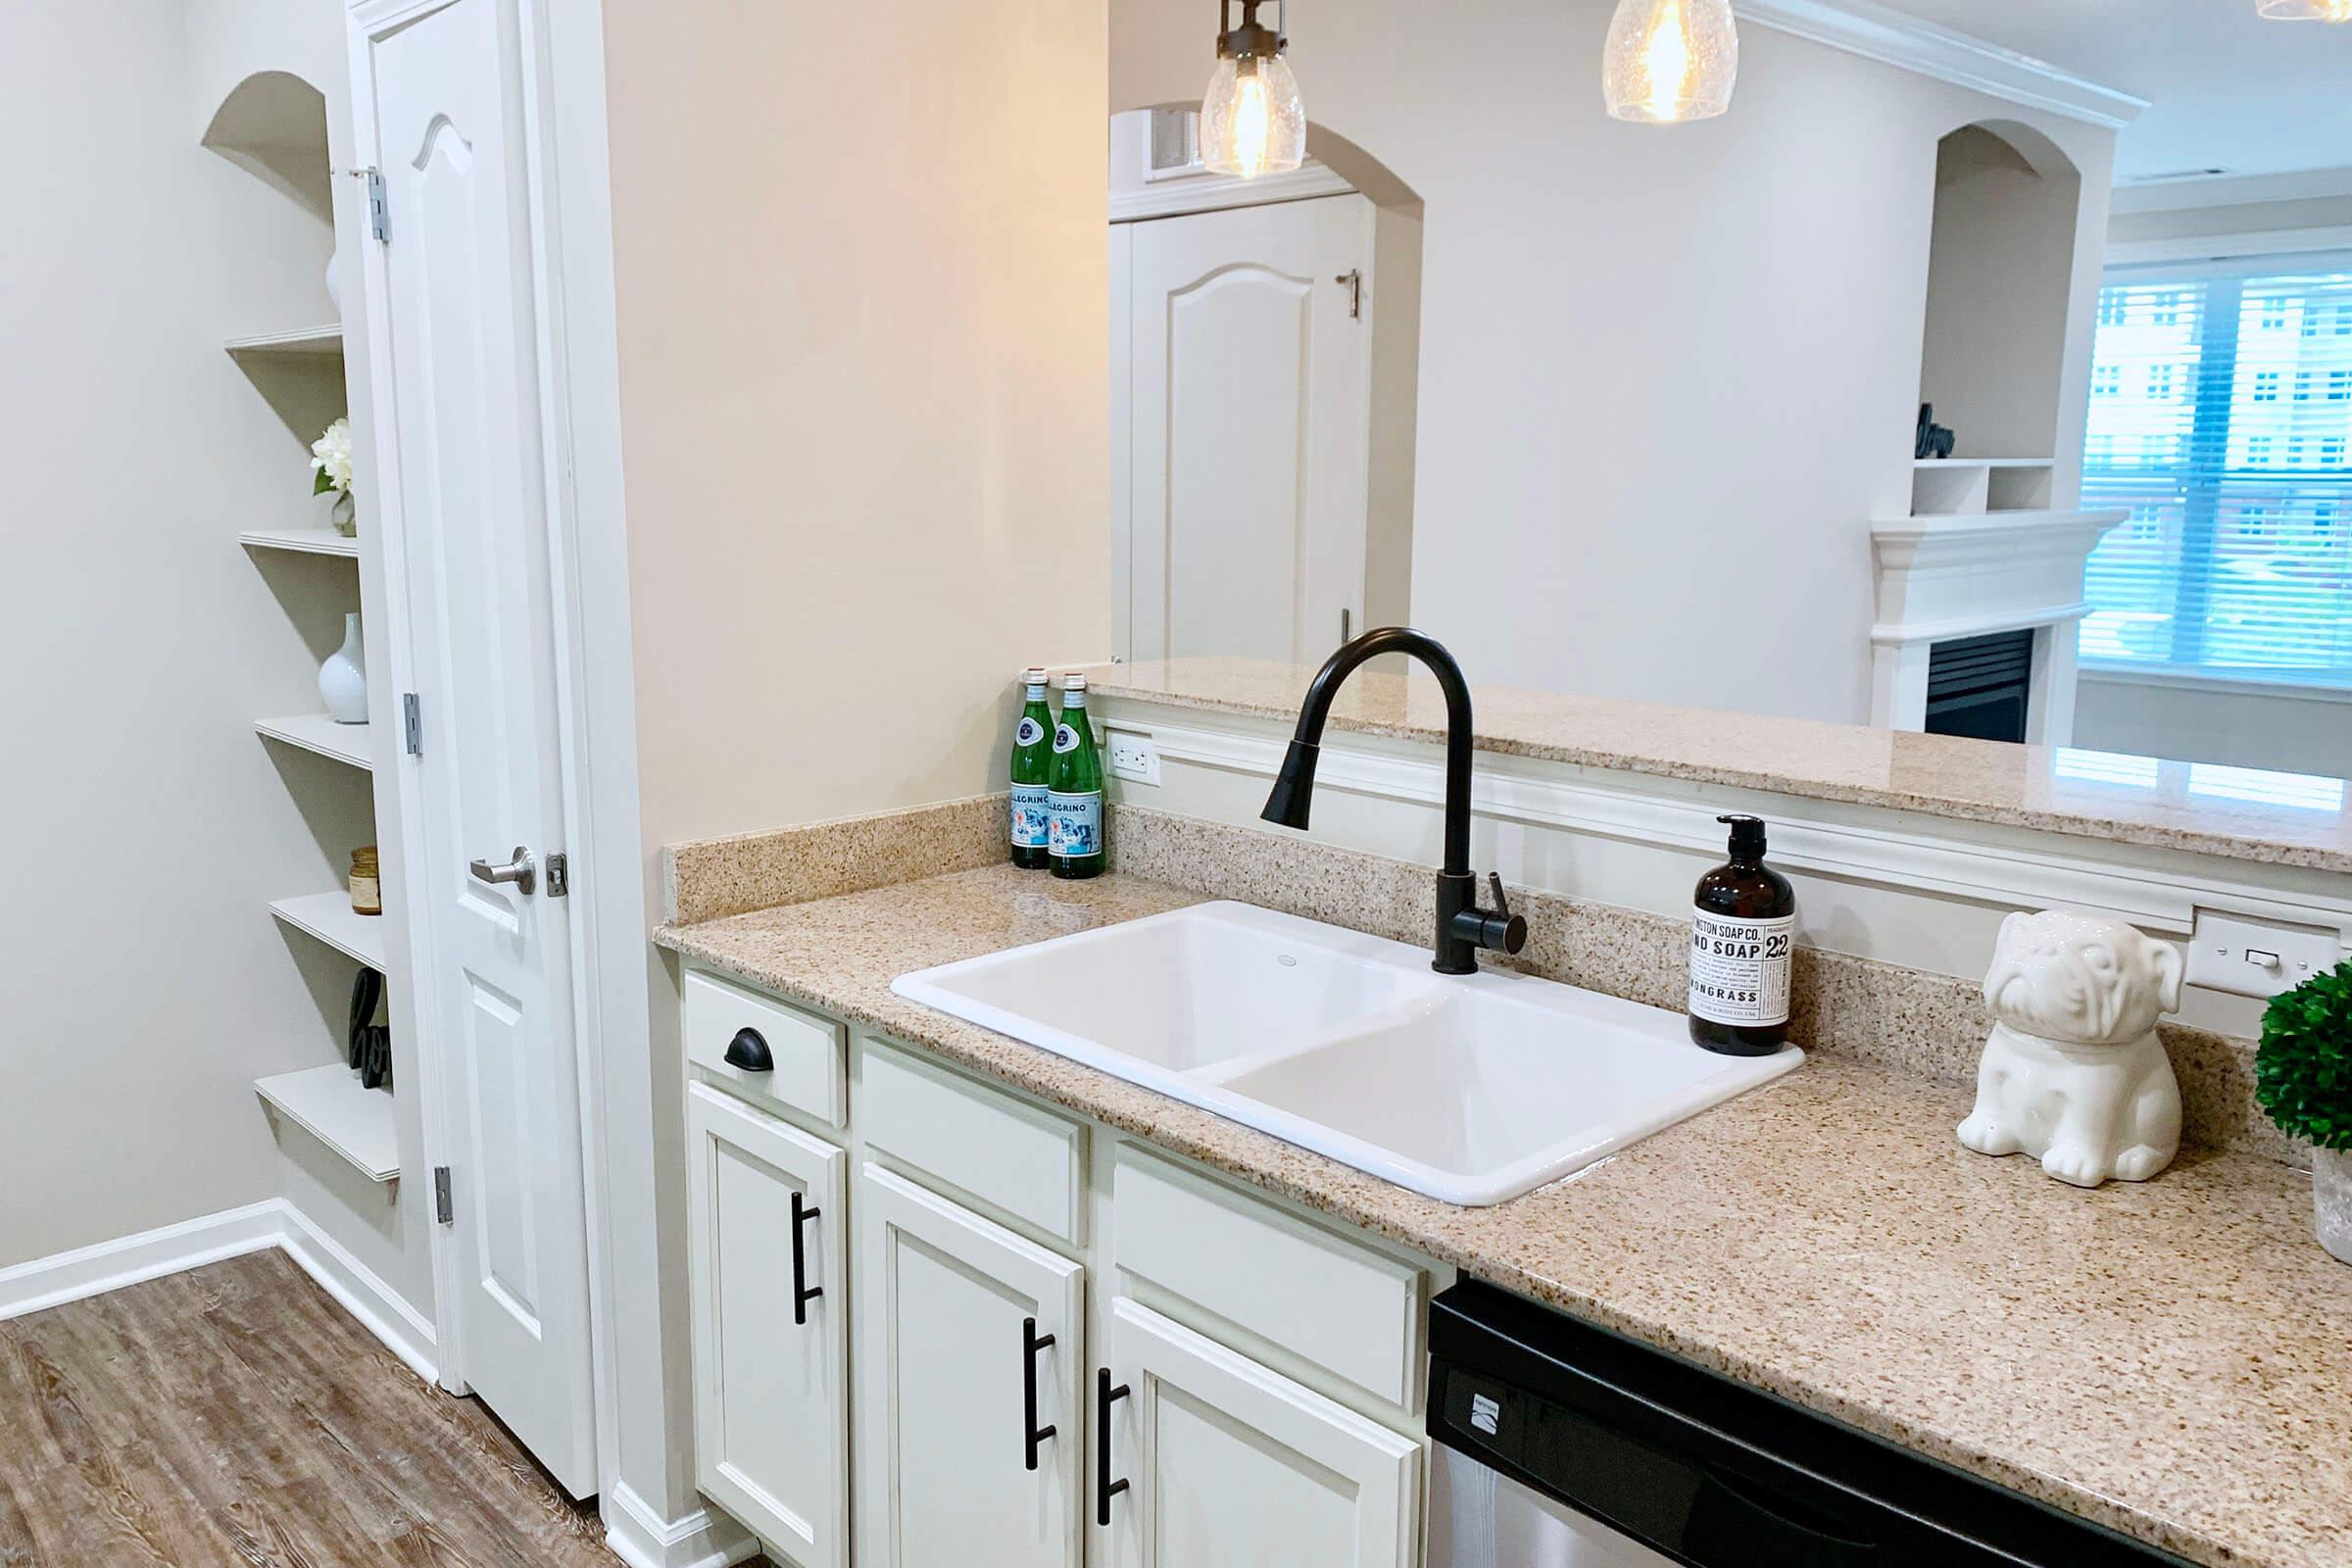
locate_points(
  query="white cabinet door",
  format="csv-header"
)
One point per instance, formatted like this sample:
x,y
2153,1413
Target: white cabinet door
x,y
770,1354
452,334
1232,1466
1247,396
951,1314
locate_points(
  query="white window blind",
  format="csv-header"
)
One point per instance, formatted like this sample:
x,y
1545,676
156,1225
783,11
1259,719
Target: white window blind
x,y
2221,414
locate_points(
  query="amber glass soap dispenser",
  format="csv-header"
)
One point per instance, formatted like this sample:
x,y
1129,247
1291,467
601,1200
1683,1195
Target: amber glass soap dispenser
x,y
1742,925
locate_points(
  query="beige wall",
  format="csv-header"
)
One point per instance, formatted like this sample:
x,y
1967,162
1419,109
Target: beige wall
x,y
1667,375
146,987
863,347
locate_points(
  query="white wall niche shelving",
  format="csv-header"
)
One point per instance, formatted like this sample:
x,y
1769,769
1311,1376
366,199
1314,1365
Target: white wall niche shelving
x,y
329,918
316,732
333,1105
301,541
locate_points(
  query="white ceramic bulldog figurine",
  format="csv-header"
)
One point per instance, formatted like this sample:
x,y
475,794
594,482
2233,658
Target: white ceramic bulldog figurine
x,y
2072,1071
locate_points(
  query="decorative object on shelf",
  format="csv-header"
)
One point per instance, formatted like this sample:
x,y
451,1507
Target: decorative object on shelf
x,y
1252,120
366,882
1668,61
2072,1072
330,469
369,1044
343,679
2306,10
1934,440
2303,1077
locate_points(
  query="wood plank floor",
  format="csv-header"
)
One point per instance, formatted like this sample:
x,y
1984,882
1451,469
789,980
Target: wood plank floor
x,y
235,1416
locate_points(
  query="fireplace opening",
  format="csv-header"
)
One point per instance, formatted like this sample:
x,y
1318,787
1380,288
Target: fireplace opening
x,y
1981,686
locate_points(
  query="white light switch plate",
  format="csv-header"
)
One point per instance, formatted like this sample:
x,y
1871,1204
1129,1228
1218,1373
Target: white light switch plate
x,y
2258,957
1132,755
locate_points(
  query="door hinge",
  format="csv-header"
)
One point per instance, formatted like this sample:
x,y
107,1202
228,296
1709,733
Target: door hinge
x,y
379,216
445,1210
1353,280
558,875
412,724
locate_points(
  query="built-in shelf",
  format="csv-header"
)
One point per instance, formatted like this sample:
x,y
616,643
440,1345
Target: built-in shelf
x,y
314,340
330,1104
1959,486
328,916
303,541
316,732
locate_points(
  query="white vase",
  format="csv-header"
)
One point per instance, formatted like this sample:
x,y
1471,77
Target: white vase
x,y
343,679
2332,1200
343,515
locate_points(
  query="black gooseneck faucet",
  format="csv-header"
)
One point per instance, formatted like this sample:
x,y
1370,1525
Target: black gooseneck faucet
x,y
1462,926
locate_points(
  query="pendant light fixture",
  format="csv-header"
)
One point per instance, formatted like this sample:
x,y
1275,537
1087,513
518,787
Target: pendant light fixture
x,y
2306,10
1252,122
1668,61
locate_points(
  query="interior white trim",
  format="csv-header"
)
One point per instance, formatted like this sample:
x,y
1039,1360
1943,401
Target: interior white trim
x,y
641,1537
85,1271
380,1309
1880,32
1208,193
94,1270
2216,685
2009,868
2228,247
2230,190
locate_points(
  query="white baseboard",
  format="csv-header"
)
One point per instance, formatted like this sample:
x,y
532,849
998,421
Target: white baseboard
x,y
380,1309
62,1277
640,1536
87,1271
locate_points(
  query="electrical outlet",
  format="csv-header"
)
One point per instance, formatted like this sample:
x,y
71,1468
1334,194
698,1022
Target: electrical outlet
x,y
2253,957
1132,755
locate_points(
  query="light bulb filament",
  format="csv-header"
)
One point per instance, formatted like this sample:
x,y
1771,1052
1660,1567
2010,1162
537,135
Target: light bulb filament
x,y
1253,122
1666,62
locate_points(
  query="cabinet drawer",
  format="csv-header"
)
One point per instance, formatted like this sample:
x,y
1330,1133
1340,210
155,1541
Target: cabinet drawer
x,y
808,1050
1352,1311
1016,1158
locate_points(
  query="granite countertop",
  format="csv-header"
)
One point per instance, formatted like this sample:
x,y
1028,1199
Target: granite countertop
x,y
2173,1359
2280,819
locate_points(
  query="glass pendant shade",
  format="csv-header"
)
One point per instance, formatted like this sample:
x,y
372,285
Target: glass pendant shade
x,y
1668,61
2306,10
1251,120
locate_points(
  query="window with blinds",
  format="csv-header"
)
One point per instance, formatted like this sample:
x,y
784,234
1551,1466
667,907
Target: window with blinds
x,y
2221,409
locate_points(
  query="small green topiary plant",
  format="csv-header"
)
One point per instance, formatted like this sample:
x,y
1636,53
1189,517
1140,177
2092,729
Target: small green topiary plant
x,y
2303,1070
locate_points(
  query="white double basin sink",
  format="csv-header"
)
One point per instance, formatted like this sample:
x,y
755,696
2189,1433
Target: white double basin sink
x,y
1469,1089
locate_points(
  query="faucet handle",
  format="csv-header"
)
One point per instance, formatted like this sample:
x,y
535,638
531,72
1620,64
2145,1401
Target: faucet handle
x,y
1515,928
1502,905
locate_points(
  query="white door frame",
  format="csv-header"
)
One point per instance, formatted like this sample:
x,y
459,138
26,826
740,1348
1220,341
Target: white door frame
x,y
563,110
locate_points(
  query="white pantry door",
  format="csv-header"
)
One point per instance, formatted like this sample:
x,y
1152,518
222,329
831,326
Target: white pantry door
x,y
463,441
1250,409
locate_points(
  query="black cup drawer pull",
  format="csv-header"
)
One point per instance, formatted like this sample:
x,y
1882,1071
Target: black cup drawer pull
x,y
1105,1488
802,1293
749,1052
1032,1434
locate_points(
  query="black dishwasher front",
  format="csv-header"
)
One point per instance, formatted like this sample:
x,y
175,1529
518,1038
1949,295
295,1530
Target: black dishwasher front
x,y
1626,1451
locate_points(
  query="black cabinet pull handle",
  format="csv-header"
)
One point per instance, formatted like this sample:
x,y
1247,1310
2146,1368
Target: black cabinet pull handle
x,y
1105,1488
802,1293
1031,1433
749,1052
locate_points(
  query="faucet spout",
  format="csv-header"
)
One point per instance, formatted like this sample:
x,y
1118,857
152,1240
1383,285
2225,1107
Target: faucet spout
x,y
1462,927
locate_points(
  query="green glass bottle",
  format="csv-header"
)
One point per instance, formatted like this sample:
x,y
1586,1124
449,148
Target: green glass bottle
x,y
1032,771
1074,792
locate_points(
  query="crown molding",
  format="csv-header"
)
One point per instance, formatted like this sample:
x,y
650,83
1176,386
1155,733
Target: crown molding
x,y
1880,32
1177,195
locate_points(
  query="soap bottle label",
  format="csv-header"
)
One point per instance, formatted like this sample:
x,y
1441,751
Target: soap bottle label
x,y
1740,968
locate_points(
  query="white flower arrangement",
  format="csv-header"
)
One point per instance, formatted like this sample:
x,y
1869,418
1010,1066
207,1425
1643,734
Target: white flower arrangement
x,y
330,460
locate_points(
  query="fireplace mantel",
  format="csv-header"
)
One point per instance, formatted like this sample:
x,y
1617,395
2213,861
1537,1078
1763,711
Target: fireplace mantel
x,y
1954,575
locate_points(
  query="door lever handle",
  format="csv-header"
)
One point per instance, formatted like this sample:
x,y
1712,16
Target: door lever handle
x,y
519,870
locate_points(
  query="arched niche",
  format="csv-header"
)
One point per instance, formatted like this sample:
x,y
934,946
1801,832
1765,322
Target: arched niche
x,y
2000,276
273,124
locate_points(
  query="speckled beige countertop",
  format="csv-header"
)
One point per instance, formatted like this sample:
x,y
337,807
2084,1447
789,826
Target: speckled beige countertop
x,y
2174,1360
2281,818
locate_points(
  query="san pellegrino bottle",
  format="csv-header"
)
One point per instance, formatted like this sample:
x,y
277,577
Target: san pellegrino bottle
x,y
1032,771
1074,792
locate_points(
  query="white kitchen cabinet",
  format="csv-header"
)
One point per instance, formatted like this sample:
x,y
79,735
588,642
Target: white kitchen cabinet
x,y
1229,1463
966,1333
770,1326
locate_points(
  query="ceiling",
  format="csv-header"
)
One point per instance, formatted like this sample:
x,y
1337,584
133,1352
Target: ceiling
x,y
2226,88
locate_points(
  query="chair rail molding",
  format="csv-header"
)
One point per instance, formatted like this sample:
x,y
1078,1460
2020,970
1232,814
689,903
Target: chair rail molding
x,y
1880,32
